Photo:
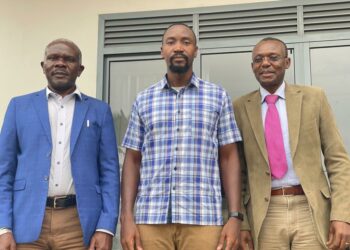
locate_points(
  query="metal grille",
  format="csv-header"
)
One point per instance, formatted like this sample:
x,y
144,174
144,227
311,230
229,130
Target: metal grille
x,y
231,24
256,22
330,17
143,30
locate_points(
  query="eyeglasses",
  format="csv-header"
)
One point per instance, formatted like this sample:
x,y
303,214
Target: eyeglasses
x,y
270,59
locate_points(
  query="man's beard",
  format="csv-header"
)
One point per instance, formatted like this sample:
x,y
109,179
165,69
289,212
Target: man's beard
x,y
59,87
179,69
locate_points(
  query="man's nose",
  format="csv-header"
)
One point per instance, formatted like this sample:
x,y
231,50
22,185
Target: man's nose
x,y
265,61
60,62
178,47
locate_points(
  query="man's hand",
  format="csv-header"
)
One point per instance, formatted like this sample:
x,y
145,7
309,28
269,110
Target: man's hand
x,y
230,235
7,242
101,241
246,241
339,235
129,235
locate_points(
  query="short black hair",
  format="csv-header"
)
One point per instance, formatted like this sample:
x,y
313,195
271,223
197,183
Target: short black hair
x,y
277,40
183,24
67,42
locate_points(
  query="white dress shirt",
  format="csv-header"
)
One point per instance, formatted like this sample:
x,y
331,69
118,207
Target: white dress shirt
x,y
290,178
61,110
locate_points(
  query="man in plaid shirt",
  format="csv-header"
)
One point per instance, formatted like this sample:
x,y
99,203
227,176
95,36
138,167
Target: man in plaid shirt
x,y
181,138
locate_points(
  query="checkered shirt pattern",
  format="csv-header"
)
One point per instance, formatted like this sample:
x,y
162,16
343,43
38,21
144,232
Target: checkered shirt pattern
x,y
179,134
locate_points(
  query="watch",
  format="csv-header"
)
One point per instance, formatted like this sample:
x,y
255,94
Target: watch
x,y
236,214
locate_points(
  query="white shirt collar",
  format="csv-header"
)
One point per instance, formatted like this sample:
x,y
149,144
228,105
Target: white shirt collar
x,y
50,92
280,92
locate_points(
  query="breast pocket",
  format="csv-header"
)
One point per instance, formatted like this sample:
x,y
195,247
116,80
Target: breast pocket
x,y
204,122
92,130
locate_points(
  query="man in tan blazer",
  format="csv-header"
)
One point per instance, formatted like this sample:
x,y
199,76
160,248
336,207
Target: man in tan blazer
x,y
300,209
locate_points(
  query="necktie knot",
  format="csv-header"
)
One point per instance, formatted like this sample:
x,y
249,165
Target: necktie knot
x,y
271,99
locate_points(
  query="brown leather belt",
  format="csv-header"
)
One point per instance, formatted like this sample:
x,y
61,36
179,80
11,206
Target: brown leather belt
x,y
293,190
61,201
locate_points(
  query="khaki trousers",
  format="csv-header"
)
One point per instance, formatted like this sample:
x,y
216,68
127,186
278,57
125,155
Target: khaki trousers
x,y
179,237
289,225
61,230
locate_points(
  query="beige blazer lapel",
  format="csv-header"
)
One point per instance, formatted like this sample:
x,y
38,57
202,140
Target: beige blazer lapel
x,y
253,107
294,99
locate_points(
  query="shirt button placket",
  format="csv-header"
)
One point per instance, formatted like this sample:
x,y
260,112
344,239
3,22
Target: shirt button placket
x,y
61,118
176,151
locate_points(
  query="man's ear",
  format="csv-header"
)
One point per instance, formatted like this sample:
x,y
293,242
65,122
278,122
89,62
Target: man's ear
x,y
42,65
81,70
196,52
287,63
161,51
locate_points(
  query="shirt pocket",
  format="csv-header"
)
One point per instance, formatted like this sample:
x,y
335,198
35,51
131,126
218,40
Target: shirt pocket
x,y
204,122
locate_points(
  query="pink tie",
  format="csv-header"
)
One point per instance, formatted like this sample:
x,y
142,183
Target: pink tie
x,y
274,139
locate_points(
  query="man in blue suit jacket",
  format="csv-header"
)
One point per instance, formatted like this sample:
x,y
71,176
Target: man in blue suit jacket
x,y
59,172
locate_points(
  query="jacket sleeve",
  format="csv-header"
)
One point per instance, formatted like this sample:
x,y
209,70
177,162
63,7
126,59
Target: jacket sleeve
x,y
109,175
336,161
9,148
245,194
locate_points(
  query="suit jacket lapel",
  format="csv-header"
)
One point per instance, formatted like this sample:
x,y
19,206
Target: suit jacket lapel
x,y
41,107
294,99
253,106
80,109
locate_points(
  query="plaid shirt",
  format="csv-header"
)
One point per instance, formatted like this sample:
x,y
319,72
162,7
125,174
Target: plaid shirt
x,y
179,134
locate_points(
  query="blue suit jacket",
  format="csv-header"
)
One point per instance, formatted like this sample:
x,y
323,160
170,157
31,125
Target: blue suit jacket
x,y
25,159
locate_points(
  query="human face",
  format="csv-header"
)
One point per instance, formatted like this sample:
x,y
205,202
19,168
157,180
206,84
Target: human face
x,y
269,64
179,49
61,66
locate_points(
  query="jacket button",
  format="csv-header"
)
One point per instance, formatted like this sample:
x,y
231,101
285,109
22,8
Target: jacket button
x,y
46,178
267,173
266,199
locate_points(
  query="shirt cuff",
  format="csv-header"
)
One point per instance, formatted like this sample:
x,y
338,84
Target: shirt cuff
x,y
4,231
105,231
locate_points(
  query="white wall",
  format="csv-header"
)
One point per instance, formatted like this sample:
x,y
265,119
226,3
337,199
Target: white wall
x,y
26,26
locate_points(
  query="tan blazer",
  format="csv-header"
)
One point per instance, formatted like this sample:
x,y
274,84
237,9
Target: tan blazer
x,y
312,131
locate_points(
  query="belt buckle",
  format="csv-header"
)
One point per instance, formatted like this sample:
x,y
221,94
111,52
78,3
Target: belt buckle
x,y
57,198
284,190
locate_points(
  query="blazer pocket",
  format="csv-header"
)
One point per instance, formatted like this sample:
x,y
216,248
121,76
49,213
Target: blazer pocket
x,y
325,191
92,130
19,184
98,189
246,199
